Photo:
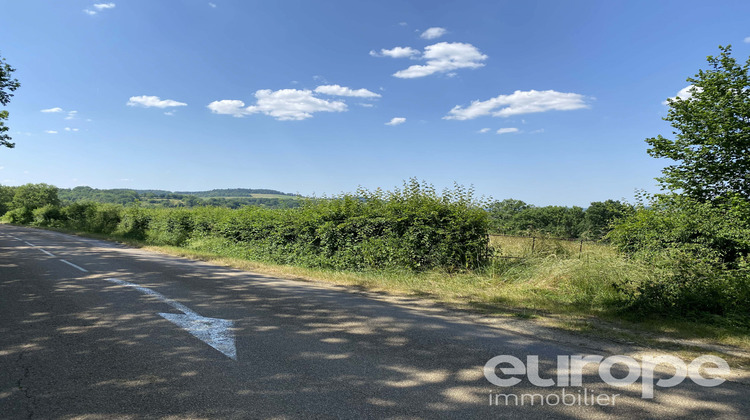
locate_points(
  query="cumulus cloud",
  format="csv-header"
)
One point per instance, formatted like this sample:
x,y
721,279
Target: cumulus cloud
x,y
444,57
684,93
484,130
397,52
153,102
432,33
284,105
396,121
55,109
519,102
233,107
336,90
507,130
99,7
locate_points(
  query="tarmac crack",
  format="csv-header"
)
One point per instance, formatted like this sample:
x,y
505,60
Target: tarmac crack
x,y
22,384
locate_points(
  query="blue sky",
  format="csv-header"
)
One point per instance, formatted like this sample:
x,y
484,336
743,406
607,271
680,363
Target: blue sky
x,y
544,101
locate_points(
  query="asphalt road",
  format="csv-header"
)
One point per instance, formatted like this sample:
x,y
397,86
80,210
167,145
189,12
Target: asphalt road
x,y
91,329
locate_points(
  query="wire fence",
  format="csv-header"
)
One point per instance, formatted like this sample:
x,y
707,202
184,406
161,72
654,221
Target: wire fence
x,y
521,247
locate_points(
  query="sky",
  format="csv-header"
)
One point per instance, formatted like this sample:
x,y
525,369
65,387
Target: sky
x,y
548,102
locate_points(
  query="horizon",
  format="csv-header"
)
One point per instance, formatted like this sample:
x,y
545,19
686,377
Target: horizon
x,y
544,102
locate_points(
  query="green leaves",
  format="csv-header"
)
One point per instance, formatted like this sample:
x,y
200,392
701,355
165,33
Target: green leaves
x,y
711,148
7,85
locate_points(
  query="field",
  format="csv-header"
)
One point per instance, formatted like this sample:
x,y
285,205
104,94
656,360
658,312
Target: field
x,y
506,246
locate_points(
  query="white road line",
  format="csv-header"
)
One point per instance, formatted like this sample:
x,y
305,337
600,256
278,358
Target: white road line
x,y
215,332
74,266
29,244
48,253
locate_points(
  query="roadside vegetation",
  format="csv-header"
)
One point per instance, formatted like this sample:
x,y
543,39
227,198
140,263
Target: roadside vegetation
x,y
676,263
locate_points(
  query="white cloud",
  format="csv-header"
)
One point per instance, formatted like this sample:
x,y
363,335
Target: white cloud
x,y
99,7
71,115
50,131
231,107
519,102
396,121
484,130
445,57
397,52
747,40
170,113
284,105
213,6
336,90
366,105
507,130
71,129
55,109
433,33
685,93
153,101
539,131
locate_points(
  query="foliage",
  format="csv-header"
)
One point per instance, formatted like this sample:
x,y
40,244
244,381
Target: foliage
x,y
413,228
161,198
7,86
514,217
6,197
601,214
48,216
33,196
700,251
712,133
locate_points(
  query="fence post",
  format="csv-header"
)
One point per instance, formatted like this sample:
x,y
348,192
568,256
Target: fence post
x,y
580,250
533,243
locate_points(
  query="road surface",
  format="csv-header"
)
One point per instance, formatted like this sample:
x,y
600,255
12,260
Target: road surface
x,y
92,329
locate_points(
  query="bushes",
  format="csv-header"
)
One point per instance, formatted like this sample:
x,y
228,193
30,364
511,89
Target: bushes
x,y
700,251
413,228
48,216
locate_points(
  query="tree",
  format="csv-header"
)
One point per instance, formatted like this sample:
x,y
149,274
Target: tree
x,y
711,148
600,215
7,85
34,196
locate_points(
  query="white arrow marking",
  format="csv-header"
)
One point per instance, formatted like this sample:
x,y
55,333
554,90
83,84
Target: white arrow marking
x,y
215,332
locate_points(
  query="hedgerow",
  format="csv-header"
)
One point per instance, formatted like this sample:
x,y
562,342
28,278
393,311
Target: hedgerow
x,y
413,228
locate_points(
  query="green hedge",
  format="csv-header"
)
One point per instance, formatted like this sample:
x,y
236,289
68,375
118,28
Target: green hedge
x,y
413,228
700,251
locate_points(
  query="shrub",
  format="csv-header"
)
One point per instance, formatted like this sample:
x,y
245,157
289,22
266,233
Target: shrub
x,y
170,227
48,216
19,216
699,250
104,219
134,223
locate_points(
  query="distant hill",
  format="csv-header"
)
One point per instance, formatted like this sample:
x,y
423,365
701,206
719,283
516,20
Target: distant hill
x,y
232,198
235,192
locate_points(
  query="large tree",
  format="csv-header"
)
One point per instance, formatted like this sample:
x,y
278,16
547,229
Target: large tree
x,y
7,85
711,121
